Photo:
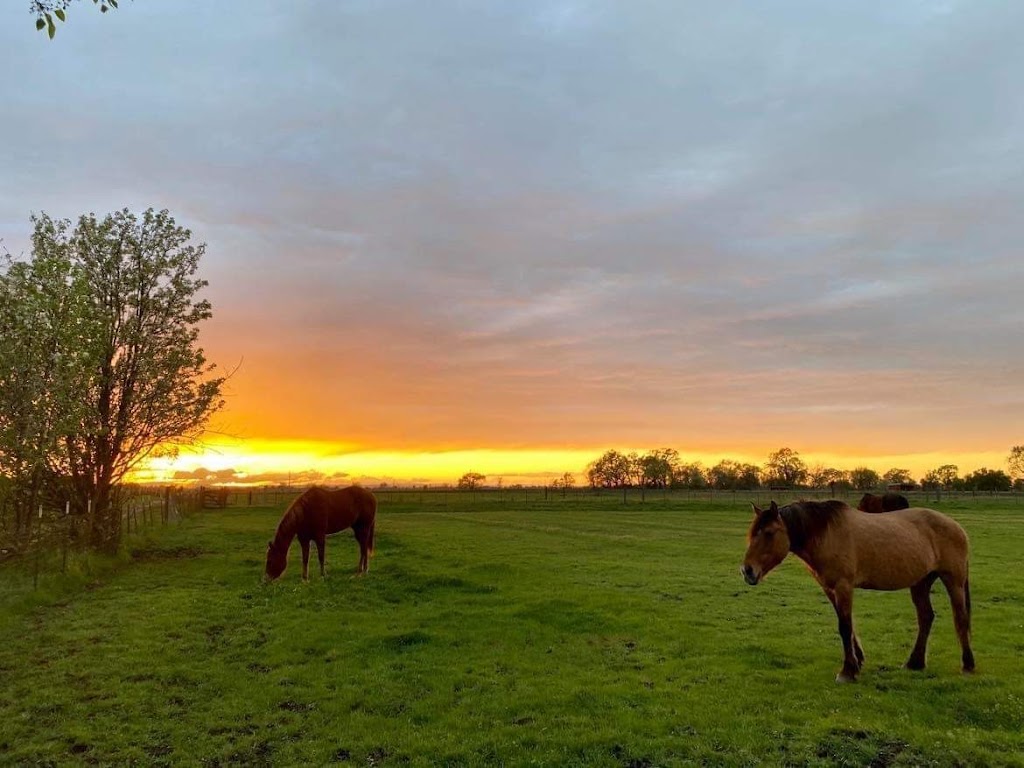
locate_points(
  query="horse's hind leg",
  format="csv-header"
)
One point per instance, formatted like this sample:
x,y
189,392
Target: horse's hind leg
x,y
362,535
920,593
304,543
959,598
321,553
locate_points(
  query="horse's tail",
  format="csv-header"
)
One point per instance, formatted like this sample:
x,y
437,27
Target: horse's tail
x,y
967,593
372,526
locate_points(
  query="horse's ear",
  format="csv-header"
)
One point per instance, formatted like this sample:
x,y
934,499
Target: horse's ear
x,y
772,512
757,510
270,544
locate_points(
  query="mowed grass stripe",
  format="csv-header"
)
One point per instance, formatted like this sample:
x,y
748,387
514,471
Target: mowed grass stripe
x,y
487,635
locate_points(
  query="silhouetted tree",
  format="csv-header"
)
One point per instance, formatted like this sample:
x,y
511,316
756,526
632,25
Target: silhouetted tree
x,y
567,480
728,475
945,477
471,481
658,467
897,476
827,477
1015,461
612,470
864,479
690,476
988,480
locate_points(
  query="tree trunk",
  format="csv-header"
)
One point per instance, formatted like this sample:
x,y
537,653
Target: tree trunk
x,y
105,534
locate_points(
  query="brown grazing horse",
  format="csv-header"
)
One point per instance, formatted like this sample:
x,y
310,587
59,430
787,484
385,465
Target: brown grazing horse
x,y
313,516
887,502
845,549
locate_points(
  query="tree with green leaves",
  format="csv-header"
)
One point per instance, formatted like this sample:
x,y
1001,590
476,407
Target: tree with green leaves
x,y
134,379
785,468
44,311
49,12
864,478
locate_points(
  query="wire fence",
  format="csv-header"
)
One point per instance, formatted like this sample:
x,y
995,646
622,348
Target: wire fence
x,y
57,535
213,497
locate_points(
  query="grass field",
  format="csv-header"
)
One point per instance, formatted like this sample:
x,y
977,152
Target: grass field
x,y
571,632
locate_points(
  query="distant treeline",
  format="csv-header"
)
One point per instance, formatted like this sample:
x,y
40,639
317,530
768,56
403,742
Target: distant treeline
x,y
662,468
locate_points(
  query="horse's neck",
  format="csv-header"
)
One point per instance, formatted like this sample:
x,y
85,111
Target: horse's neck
x,y
818,555
808,558
801,542
286,529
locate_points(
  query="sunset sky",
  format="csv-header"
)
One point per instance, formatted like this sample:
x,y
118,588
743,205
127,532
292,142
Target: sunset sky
x,y
507,236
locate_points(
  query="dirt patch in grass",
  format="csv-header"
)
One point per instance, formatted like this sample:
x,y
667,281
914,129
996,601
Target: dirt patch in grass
x,y
290,705
158,750
382,755
406,640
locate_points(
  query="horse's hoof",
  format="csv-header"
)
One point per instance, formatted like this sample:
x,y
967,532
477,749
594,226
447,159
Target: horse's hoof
x,y
914,665
846,677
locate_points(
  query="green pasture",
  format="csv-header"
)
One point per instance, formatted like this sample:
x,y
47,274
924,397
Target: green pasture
x,y
499,630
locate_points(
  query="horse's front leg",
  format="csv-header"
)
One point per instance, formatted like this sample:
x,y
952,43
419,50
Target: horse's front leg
x,y
858,652
842,600
304,543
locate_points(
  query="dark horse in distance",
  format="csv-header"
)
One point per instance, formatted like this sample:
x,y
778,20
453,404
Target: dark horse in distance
x,y
846,549
887,502
316,514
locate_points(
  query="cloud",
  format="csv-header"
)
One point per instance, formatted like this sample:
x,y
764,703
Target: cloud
x,y
564,222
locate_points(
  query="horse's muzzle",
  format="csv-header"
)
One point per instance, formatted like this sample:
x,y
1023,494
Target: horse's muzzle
x,y
749,575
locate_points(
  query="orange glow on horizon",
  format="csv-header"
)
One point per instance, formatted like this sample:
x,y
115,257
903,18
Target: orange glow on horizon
x,y
302,462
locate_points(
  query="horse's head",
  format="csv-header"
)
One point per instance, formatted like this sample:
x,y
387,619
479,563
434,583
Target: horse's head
x,y
767,544
277,559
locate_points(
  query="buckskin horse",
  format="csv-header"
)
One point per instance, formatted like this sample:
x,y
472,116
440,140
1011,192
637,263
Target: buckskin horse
x,y
887,502
314,515
846,550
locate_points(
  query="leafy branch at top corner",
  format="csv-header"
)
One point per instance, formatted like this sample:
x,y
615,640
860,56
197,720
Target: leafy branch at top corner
x,y
49,12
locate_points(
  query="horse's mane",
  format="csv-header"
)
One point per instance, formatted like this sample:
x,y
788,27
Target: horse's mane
x,y
291,517
807,521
